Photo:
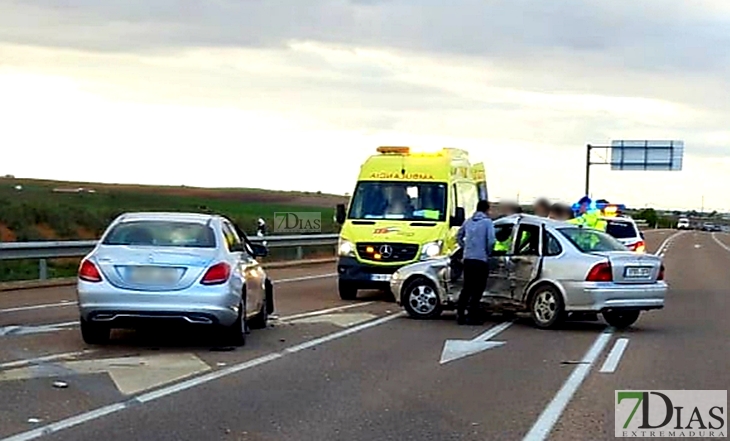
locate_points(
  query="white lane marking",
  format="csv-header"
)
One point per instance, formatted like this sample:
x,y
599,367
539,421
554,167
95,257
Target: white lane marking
x,y
63,303
18,363
341,319
668,241
303,278
614,357
27,330
544,425
43,306
197,381
323,311
719,242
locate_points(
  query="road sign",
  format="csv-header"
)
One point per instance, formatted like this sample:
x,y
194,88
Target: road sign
x,y
647,155
456,349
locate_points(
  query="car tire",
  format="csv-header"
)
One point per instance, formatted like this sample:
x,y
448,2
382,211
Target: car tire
x,y
94,334
546,307
621,319
235,334
261,320
421,300
347,290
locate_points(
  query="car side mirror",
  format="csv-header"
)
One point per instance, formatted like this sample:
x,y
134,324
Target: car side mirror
x,y
340,214
458,218
259,250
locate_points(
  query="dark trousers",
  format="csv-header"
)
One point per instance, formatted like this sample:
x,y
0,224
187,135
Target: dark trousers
x,y
476,273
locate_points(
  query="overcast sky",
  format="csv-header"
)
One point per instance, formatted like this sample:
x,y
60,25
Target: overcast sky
x,y
296,94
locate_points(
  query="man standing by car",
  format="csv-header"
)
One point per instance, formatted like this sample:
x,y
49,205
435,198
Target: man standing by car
x,y
476,238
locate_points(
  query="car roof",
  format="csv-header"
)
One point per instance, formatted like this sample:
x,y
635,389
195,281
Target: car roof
x,y
531,217
168,216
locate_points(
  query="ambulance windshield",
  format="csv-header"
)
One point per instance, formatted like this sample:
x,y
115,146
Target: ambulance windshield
x,y
410,201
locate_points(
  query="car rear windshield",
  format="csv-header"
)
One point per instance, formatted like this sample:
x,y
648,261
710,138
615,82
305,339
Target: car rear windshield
x,y
590,241
621,230
161,234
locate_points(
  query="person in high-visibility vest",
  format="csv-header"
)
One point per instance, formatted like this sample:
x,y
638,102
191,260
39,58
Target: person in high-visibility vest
x,y
588,216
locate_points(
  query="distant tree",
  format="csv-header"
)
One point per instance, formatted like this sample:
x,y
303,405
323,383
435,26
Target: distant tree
x,y
649,215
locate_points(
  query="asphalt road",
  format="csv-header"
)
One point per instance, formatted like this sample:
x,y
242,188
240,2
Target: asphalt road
x,y
334,370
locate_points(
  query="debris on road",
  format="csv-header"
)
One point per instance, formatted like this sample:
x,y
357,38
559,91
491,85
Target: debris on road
x,y
60,384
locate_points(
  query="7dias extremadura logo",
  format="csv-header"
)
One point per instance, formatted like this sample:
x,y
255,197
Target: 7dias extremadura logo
x,y
671,414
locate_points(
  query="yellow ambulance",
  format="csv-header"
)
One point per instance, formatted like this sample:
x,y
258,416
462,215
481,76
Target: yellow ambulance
x,y
407,206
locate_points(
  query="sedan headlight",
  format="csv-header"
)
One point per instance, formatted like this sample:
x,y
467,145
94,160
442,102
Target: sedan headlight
x,y
346,248
430,250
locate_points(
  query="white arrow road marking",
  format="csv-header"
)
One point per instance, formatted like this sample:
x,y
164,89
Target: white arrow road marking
x,y
343,320
456,349
130,374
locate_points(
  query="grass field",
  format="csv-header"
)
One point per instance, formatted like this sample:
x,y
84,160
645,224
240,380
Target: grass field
x,y
33,210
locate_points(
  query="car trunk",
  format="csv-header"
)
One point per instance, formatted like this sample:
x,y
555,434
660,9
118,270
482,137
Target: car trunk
x,y
633,268
145,269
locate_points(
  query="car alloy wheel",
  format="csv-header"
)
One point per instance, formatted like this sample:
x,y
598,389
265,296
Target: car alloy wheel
x,y
546,307
422,300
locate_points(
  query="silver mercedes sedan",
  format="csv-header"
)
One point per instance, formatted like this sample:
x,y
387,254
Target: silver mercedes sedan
x,y
556,271
150,268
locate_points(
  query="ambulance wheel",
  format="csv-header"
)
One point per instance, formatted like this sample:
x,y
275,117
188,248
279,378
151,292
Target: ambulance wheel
x,y
347,290
421,300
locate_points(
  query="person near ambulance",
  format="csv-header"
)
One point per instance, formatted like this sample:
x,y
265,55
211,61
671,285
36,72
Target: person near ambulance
x,y
476,237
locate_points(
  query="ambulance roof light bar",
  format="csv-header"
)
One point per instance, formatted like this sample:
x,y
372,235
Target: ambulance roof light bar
x,y
394,150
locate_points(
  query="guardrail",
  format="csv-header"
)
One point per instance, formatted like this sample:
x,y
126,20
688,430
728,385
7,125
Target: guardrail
x,y
61,249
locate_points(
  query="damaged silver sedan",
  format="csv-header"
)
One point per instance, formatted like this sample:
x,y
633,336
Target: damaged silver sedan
x,y
556,271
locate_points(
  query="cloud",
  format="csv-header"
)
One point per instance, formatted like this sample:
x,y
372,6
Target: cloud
x,y
534,79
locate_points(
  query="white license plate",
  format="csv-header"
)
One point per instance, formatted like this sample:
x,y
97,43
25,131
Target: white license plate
x,y
380,277
642,272
152,275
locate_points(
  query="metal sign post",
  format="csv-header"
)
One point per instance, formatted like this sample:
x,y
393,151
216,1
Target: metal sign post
x,y
638,156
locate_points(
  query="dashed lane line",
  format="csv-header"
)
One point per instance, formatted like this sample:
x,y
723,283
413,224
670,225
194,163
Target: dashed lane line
x,y
662,250
614,357
188,384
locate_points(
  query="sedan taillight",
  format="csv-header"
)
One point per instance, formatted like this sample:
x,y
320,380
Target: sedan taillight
x,y
88,272
639,247
601,272
661,273
217,274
